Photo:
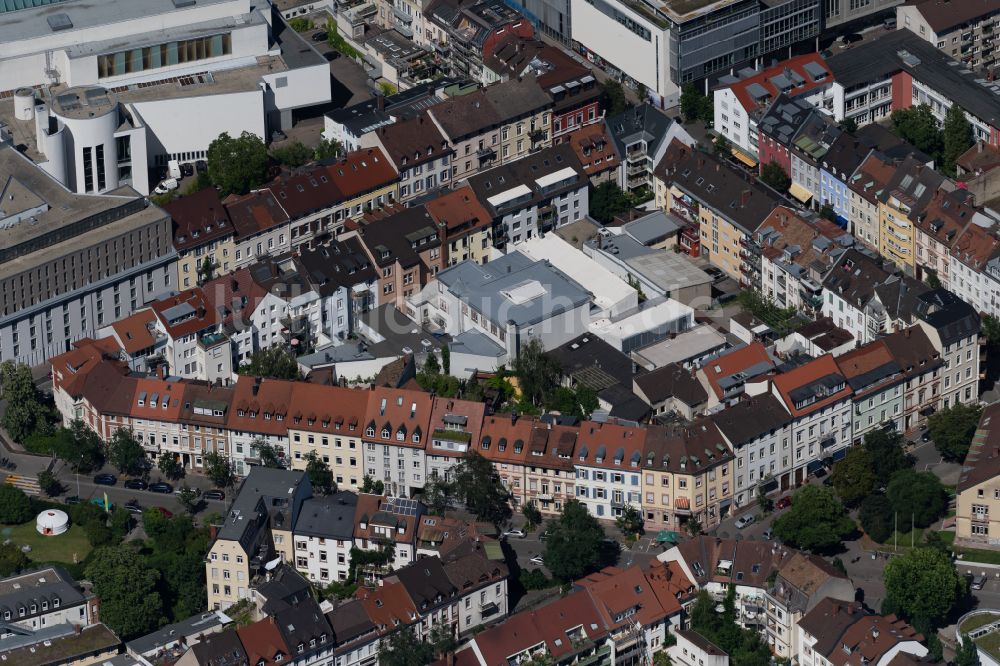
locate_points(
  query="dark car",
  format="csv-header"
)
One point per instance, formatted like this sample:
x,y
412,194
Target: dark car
x,y
332,55
851,38
214,495
320,36
132,506
187,170
136,484
201,166
161,487
783,503
73,499
926,437
105,479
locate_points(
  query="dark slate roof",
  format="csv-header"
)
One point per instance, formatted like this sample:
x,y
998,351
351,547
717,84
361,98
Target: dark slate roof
x,y
222,649
349,621
262,482
302,623
592,362
902,50
672,380
330,517
899,296
526,171
982,463
882,139
286,587
855,277
751,418
366,116
427,583
336,264
35,587
784,117
643,122
172,633
953,318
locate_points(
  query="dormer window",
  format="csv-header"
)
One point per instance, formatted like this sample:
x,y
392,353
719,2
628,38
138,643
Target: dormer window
x,y
385,433
416,438
370,431
301,648
55,602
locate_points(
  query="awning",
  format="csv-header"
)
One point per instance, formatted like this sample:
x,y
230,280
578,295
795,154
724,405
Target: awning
x,y
800,193
813,466
666,536
840,455
743,157
682,503
927,411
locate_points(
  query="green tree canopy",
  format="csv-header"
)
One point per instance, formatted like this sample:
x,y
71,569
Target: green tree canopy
x,y
12,560
25,413
531,513
695,105
537,373
816,521
916,495
294,154
236,165
320,475
273,362
952,429
79,447
922,586
126,454
15,507
476,482
614,99
876,517
130,602
630,522
372,486
268,453
327,148
774,175
991,329
854,476
49,484
957,137
170,466
744,646
918,126
608,200
403,648
887,456
573,548
219,469
966,654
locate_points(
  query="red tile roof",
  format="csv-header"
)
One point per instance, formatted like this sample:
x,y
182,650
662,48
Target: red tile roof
x,y
611,445
764,78
199,218
458,211
806,374
71,369
263,642
402,412
135,331
200,318
254,212
594,148
472,411
265,411
732,362
361,171
234,297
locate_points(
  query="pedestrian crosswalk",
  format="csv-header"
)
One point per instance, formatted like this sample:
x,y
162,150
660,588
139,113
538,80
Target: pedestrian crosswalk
x,y
28,484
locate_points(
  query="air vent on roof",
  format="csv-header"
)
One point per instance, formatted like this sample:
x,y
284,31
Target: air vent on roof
x,y
59,22
183,3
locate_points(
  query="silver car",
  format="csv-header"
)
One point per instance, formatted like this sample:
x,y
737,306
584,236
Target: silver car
x,y
744,521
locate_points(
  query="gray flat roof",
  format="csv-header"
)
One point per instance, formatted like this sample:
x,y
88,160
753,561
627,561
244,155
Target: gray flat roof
x,y
261,482
693,343
653,228
476,343
514,288
172,633
669,270
329,517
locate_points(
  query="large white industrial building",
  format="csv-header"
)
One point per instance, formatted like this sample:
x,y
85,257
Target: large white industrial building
x,y
98,91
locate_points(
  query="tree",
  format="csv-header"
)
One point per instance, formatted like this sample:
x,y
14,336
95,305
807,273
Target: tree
x,y
445,360
476,483
744,646
693,526
320,475
15,507
206,271
922,586
608,200
188,499
932,279
219,469
774,175
816,521
614,99
886,454
531,513
12,560
991,329
431,365
876,517
236,165
721,145
403,648
49,484
917,496
918,126
827,212
371,486
125,453
327,148
952,429
956,137
536,372
130,603
25,413
573,548
696,106
853,477
98,533
272,362
849,125
967,654
170,466
267,453
82,450
435,496
630,522
294,154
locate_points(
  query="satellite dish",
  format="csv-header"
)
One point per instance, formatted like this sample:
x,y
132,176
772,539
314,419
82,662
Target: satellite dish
x,y
273,564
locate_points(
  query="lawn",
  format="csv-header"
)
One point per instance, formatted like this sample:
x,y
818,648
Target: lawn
x,y
990,643
70,547
974,555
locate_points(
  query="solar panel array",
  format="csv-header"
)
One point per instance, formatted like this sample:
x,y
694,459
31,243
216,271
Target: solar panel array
x,y
399,506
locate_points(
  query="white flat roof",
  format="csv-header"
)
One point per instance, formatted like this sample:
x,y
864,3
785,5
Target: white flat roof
x,y
649,318
608,289
691,344
558,176
509,195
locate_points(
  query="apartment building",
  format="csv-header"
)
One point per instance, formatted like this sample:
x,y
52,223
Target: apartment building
x,y
641,137
42,599
260,414
978,487
466,225
267,499
396,425
195,348
974,268
455,427
324,536
867,181
834,629
964,32
952,327
877,382
923,368
418,151
203,237
328,422
609,468
758,431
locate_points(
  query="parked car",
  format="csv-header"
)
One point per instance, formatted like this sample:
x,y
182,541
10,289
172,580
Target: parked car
x,y
768,534
537,559
520,534
163,510
851,38
72,499
161,487
978,581
99,501
132,506
332,55
783,503
926,437
166,186
320,36
187,170
744,521
105,479
135,484
214,495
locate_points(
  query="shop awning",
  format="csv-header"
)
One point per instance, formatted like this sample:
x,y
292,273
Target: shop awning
x,y
743,157
666,536
800,193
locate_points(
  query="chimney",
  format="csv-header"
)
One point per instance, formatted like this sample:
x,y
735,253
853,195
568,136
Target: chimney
x,y
745,197
380,102
161,372
513,416
213,532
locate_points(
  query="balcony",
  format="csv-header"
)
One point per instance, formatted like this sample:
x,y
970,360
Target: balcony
x,y
638,168
294,324
486,154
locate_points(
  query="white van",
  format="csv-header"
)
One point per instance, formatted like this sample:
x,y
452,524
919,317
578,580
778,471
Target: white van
x,y
174,169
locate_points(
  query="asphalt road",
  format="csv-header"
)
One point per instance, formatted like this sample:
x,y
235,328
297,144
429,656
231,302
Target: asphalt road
x,y
86,489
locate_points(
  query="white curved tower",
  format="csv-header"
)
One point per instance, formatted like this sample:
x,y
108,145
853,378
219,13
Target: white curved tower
x,y
87,118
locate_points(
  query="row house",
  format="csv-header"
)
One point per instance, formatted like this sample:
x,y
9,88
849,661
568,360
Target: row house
x,y
396,423
922,369
494,125
877,382
534,195
841,631
952,327
466,33
977,502
140,342
740,102
345,279
974,269
795,255
418,151
455,427
608,464
250,315
466,226
641,136
195,347
204,237
262,225
846,153
728,209
725,377
938,229
904,199
259,415
867,182
328,422
596,152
